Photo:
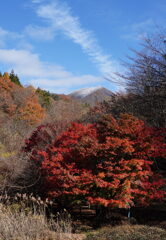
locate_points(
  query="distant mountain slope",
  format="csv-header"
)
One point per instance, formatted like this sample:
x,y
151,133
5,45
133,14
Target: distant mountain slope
x,y
92,95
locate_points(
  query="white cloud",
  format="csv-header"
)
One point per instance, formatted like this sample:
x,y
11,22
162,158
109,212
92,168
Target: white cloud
x,y
51,77
24,62
40,33
59,17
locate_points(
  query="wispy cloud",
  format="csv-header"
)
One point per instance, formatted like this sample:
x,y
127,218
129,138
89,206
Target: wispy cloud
x,y
3,35
60,17
20,55
137,31
40,33
6,35
29,66
18,40
43,74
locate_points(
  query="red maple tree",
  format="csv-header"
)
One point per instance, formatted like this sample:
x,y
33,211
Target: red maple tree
x,y
107,163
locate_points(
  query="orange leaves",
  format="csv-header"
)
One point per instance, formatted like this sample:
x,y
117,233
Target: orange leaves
x,y
101,175
20,103
99,201
6,84
32,111
118,144
6,101
130,125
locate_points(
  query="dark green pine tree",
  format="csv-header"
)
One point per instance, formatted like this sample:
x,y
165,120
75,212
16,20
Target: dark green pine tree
x,y
14,78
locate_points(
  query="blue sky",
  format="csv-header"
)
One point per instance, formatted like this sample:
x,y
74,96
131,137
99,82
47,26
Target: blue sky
x,y
65,45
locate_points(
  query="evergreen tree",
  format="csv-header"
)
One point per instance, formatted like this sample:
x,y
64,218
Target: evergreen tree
x,y
14,78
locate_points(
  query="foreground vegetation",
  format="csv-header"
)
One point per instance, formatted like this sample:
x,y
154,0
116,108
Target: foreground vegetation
x,y
20,222
128,232
32,224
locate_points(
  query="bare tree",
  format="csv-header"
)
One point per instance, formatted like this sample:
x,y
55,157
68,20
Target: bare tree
x,y
146,81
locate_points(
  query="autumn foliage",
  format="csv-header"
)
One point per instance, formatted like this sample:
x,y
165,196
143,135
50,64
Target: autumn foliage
x,y
19,103
108,163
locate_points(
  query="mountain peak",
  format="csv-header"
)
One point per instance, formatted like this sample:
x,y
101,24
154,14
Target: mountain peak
x,y
92,95
84,92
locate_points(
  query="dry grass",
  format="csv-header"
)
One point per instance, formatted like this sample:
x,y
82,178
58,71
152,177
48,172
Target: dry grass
x,y
129,232
20,225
